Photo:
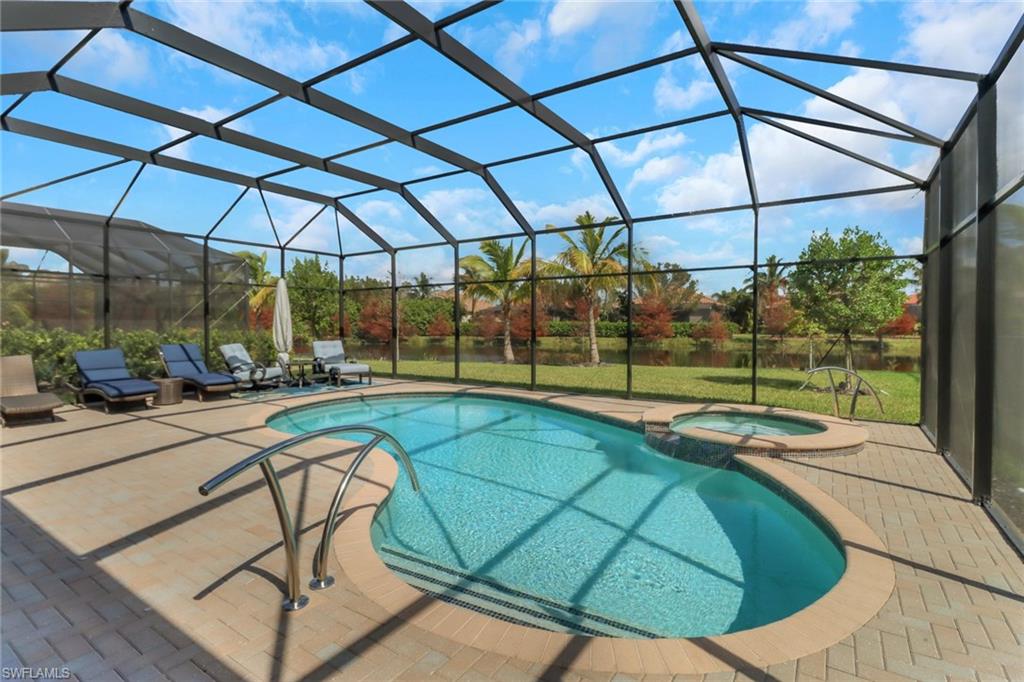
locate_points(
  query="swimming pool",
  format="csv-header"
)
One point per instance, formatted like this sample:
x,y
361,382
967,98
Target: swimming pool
x,y
552,519
748,424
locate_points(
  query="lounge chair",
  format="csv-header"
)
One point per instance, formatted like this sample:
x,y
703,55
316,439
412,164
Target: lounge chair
x,y
330,358
184,361
242,366
104,373
20,399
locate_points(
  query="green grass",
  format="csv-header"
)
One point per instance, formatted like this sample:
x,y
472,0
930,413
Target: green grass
x,y
688,384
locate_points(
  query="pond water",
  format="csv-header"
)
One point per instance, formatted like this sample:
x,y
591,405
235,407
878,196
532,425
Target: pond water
x,y
574,353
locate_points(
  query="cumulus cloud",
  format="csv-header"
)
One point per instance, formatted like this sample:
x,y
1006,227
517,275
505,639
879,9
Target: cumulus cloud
x,y
515,53
468,212
564,214
657,169
960,35
260,31
112,59
818,22
649,144
669,95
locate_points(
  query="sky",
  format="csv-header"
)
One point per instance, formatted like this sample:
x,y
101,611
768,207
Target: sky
x,y
539,45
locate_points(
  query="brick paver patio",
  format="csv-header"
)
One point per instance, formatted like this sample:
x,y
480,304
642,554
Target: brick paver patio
x,y
114,566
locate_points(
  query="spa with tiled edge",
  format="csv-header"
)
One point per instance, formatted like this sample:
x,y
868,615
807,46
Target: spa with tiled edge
x,y
865,582
721,430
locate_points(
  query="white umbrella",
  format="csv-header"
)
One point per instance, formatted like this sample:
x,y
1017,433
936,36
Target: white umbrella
x,y
282,321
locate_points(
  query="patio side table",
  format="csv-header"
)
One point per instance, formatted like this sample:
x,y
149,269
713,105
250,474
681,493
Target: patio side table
x,y
170,390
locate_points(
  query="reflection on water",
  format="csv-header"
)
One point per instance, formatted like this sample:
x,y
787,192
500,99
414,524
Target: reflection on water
x,y
695,356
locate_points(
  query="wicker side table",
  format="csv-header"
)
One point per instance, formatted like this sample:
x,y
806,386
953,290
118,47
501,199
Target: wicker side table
x,y
170,390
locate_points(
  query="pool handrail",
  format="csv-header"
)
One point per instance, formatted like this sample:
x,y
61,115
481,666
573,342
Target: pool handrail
x,y
295,599
835,394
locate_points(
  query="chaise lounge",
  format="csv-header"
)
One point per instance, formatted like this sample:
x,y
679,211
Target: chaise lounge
x,y
104,373
184,361
242,366
330,358
20,399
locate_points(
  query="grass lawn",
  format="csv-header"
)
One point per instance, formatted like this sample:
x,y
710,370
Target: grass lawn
x,y
775,386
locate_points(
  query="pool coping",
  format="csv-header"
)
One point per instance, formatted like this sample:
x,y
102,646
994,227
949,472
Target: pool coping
x,y
862,590
839,437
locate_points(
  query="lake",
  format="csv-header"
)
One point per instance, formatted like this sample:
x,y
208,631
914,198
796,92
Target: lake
x,y
573,352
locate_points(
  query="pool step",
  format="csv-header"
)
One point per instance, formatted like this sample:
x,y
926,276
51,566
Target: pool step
x,y
486,595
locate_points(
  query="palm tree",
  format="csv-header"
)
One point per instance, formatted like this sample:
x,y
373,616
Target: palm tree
x,y
261,282
771,278
590,253
488,277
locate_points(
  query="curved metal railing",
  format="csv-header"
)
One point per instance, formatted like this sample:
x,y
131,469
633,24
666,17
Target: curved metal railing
x,y
835,394
295,599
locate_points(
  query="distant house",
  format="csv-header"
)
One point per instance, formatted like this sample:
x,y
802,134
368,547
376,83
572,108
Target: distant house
x,y
912,306
702,312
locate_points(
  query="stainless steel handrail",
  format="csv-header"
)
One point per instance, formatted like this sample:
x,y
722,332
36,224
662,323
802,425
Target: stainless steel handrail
x,y
295,599
835,394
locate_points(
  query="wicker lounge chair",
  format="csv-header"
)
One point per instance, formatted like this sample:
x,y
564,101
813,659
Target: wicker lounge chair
x,y
104,373
245,370
20,399
184,361
330,359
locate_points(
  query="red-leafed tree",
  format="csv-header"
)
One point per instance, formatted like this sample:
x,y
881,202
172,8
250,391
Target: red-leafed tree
x,y
653,318
375,321
521,321
714,331
904,325
440,326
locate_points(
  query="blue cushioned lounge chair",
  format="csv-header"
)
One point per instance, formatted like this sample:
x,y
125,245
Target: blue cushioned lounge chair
x,y
104,373
183,361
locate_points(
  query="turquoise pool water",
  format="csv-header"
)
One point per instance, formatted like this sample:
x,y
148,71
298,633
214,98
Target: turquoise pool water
x,y
748,424
573,519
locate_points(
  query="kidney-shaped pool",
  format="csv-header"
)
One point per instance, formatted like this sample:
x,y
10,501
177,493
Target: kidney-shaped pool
x,y
547,518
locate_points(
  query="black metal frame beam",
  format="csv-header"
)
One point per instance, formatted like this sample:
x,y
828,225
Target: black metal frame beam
x,y
700,38
835,99
879,64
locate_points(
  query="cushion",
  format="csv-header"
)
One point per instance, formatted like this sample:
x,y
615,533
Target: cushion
x,y
123,388
329,351
101,365
347,368
183,360
212,379
261,374
236,356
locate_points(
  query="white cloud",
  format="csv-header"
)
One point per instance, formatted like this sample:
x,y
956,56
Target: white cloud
x,y
260,31
649,144
657,169
514,54
909,245
468,212
561,215
378,209
816,25
570,16
669,95
112,59
959,35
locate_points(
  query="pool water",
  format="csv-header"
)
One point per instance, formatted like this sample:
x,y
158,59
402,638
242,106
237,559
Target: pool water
x,y
578,520
748,424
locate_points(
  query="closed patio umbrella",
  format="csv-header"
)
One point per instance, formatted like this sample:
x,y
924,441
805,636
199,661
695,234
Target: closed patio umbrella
x,y
282,324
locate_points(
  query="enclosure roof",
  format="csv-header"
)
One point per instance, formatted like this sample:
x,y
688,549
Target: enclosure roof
x,y
264,105
136,249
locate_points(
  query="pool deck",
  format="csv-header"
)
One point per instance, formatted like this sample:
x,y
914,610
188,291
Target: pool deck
x,y
114,566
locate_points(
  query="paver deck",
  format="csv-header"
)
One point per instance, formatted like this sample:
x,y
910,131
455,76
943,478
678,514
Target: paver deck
x,y
114,566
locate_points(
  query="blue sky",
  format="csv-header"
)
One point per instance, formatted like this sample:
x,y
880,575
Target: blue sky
x,y
540,45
